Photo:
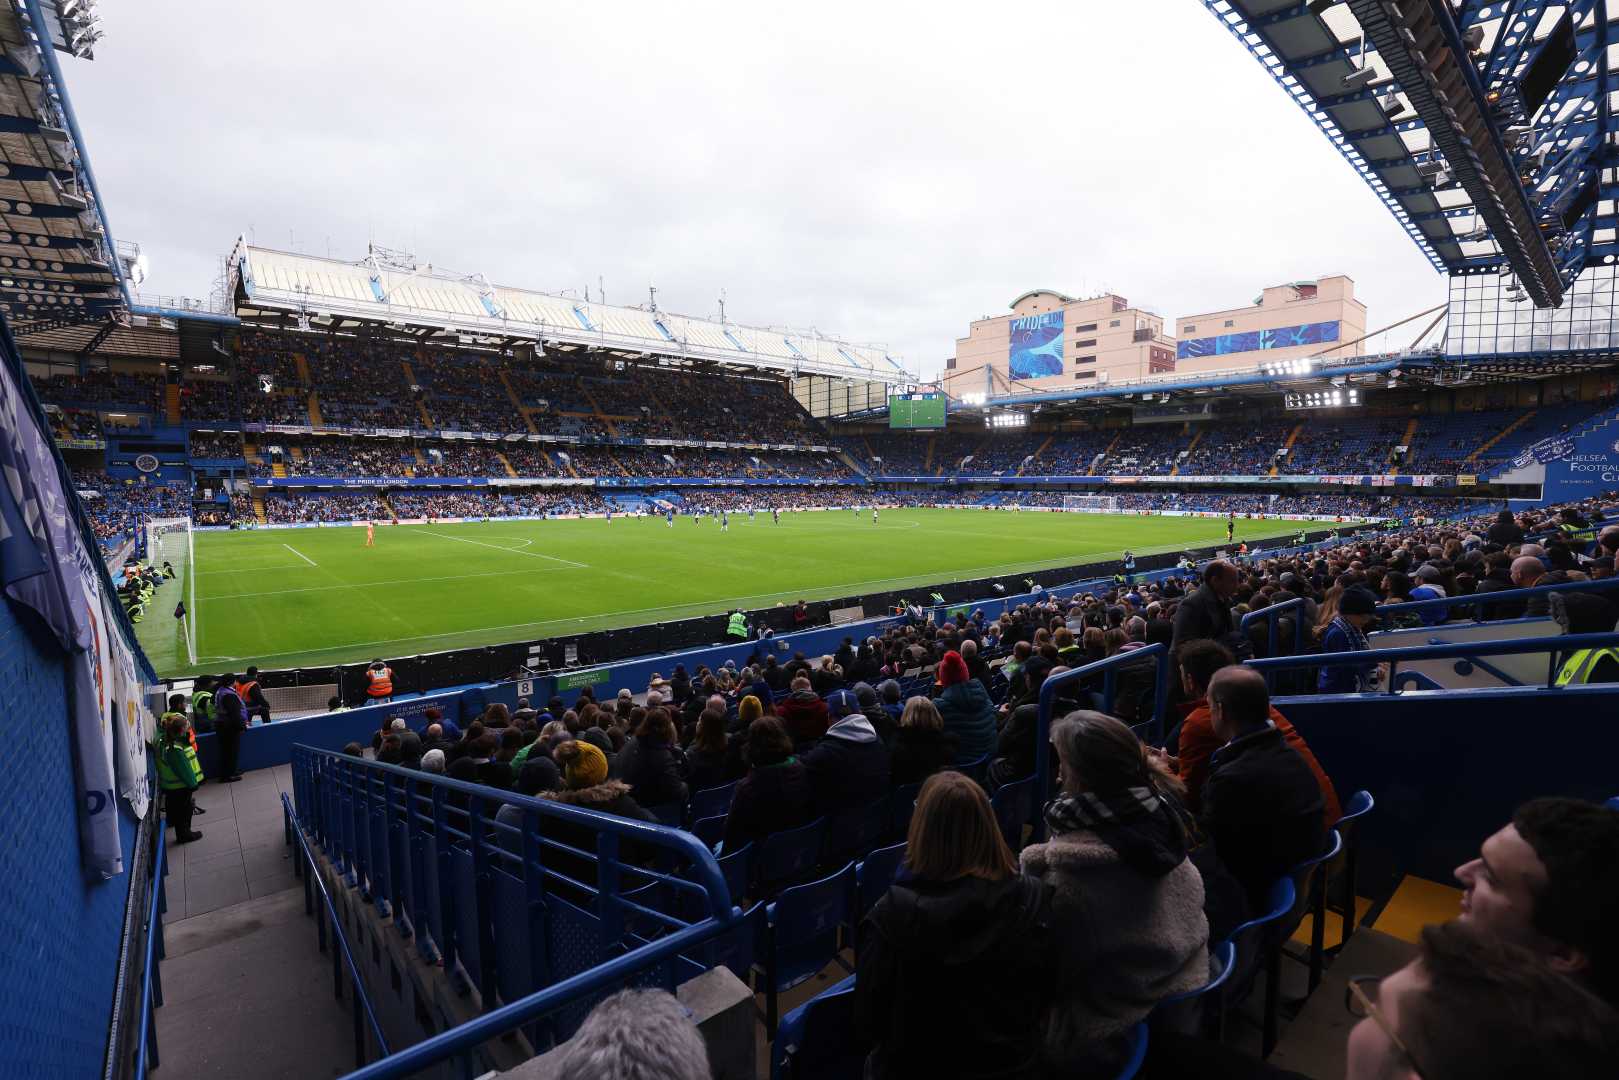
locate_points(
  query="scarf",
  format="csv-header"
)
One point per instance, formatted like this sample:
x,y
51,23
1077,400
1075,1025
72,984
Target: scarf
x,y
1357,640
1147,831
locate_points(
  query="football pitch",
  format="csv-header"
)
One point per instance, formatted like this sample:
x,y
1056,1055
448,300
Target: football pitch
x,y
303,597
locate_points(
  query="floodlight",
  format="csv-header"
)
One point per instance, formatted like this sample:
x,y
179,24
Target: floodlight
x,y
1358,78
1389,101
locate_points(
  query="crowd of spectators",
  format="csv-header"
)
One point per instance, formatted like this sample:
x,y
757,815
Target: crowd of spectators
x,y
118,510
104,388
217,445
282,508
74,424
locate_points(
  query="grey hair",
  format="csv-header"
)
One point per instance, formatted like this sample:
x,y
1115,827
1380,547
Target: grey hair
x,y
433,761
397,725
635,1035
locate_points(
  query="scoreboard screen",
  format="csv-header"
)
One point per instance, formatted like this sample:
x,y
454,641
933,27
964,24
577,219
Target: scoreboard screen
x,y
915,411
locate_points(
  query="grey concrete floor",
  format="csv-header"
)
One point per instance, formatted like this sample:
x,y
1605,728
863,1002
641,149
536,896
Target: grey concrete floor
x,y
247,993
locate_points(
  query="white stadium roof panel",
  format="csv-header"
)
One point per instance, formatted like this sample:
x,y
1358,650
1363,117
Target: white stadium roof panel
x,y
288,281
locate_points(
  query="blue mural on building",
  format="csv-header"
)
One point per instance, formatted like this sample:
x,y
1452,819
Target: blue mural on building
x,y
1283,337
1036,346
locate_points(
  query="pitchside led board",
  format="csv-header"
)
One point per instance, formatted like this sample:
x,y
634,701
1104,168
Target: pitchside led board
x,y
915,411
1035,350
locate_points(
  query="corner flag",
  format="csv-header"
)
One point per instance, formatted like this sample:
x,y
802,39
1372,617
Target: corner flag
x,y
180,610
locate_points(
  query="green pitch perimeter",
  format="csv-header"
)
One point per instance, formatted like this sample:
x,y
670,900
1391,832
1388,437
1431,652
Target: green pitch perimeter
x,y
290,597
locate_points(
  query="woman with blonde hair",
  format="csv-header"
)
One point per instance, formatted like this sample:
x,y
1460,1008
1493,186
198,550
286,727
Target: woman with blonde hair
x,y
961,943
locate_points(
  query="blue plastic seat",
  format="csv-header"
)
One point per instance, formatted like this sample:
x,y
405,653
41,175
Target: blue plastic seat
x,y
801,934
1258,944
787,857
851,833
710,802
978,770
672,814
1310,879
1013,805
816,1040
874,875
1359,805
1198,1003
710,830
1137,1055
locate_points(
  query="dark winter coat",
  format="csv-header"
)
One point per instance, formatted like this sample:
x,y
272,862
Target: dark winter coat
x,y
969,715
1263,809
653,769
919,753
770,799
848,768
804,715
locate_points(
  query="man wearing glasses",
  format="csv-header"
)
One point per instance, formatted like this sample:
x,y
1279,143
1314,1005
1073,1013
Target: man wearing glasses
x,y
1476,1007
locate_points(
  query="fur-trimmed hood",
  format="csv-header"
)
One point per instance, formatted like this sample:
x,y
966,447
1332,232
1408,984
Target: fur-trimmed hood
x,y
597,797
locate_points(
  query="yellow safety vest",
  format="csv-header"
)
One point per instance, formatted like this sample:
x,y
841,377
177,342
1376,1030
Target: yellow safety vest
x,y
1578,667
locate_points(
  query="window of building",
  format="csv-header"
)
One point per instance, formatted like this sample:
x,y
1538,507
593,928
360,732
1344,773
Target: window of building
x,y
950,363
1188,329
1082,375
1083,329
1091,359
1230,322
1088,343
1115,322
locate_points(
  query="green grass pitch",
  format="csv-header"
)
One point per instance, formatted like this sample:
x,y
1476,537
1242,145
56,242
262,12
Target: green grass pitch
x,y
289,597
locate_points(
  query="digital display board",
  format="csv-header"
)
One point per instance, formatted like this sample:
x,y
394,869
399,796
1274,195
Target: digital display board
x,y
1035,348
915,411
1283,337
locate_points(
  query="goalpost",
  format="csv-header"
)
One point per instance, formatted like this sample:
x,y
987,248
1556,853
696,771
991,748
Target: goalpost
x,y
170,540
1090,503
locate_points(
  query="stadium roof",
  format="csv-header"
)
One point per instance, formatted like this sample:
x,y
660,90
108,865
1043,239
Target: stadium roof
x,y
273,286
1483,126
58,262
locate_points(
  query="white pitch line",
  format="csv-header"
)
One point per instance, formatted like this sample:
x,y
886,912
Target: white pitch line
x,y
395,581
301,555
507,550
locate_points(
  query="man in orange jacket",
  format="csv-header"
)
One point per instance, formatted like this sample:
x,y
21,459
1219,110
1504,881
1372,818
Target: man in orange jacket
x,y
379,682
1198,661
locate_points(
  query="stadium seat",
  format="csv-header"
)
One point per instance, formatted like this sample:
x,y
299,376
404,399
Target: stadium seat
x,y
785,857
1013,805
816,1040
1310,879
671,814
978,770
1190,1011
852,833
874,875
710,802
1137,1053
801,934
1258,944
710,830
1359,805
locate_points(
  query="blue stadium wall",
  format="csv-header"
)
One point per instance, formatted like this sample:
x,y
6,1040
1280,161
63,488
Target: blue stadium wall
x,y
59,933
1590,468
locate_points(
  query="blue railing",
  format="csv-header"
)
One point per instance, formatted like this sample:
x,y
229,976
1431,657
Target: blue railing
x,y
1272,617
539,909
1158,654
1470,650
151,981
365,1015
1489,599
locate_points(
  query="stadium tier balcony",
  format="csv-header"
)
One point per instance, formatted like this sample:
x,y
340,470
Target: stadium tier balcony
x,y
103,389
216,446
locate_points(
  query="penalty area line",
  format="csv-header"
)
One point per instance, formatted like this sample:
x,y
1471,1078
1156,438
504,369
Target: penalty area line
x,y
301,555
507,550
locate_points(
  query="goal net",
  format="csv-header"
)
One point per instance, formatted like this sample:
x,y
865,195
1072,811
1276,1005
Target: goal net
x,y
168,540
1091,503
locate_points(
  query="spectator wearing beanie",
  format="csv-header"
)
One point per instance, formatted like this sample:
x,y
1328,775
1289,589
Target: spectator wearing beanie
x,y
882,722
1346,633
968,712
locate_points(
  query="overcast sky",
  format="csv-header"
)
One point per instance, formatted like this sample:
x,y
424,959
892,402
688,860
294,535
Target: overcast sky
x,y
873,170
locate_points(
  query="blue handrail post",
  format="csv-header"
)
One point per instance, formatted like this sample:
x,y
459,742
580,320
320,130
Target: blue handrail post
x,y
1272,616
446,885
484,915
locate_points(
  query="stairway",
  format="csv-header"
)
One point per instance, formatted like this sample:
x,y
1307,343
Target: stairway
x,y
506,462
251,453
427,419
171,402
1034,457
1292,437
1405,440
622,471
596,409
300,363
854,466
279,471
1197,438
927,464
258,509
517,404
388,506
1503,433
314,411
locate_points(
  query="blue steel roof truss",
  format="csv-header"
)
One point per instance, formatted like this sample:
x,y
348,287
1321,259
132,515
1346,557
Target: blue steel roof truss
x,y
1567,149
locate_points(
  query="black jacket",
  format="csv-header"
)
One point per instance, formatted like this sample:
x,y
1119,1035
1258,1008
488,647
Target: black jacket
x,y
769,800
848,767
883,723
1263,808
919,753
709,770
653,770
1202,615
1014,750
970,957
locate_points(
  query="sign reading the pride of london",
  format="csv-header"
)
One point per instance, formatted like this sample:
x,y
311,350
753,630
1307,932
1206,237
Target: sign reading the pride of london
x,y
1283,337
1036,346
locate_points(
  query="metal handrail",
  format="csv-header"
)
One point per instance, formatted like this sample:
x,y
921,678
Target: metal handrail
x,y
1483,599
1159,653
1467,650
151,983
1271,613
362,1000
